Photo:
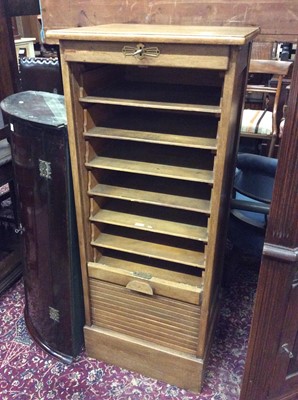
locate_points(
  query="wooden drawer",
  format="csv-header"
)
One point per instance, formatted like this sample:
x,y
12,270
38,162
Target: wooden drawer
x,y
160,320
169,55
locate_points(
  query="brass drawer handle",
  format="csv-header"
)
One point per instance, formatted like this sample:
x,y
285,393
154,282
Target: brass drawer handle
x,y
140,287
140,51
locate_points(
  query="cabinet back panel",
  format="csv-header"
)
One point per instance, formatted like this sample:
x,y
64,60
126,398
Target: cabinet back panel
x,y
163,122
152,153
156,84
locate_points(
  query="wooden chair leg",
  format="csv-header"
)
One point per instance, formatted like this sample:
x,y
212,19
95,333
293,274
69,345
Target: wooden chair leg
x,y
13,201
272,146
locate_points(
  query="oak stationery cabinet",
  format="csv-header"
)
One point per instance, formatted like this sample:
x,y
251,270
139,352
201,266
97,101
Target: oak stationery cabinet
x,y
153,117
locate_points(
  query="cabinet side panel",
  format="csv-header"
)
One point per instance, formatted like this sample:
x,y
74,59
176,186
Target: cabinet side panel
x,y
77,148
228,137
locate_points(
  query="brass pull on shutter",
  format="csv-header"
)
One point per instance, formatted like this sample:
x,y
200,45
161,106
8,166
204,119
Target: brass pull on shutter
x,y
140,287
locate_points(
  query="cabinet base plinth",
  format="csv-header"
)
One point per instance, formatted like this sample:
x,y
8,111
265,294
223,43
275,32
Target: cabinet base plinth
x,y
175,368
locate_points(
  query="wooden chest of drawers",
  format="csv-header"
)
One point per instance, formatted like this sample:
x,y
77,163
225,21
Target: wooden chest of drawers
x,y
153,118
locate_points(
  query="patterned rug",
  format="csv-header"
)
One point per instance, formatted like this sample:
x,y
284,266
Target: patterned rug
x,y
28,373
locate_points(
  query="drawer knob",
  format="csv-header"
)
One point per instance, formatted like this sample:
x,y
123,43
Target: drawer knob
x,y
140,287
140,51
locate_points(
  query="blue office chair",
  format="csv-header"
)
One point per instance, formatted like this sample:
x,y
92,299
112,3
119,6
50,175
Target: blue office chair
x,y
250,205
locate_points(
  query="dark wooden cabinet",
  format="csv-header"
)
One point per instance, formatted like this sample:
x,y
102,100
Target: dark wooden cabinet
x,y
8,61
271,371
52,279
18,7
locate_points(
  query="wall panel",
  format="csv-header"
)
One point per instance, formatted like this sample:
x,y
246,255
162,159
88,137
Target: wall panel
x,y
278,19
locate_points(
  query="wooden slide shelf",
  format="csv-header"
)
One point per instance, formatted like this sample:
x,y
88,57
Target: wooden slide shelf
x,y
154,250
147,197
140,167
152,137
152,104
151,224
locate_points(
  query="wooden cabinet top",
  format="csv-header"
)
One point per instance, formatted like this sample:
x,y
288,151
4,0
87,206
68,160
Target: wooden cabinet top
x,y
211,35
